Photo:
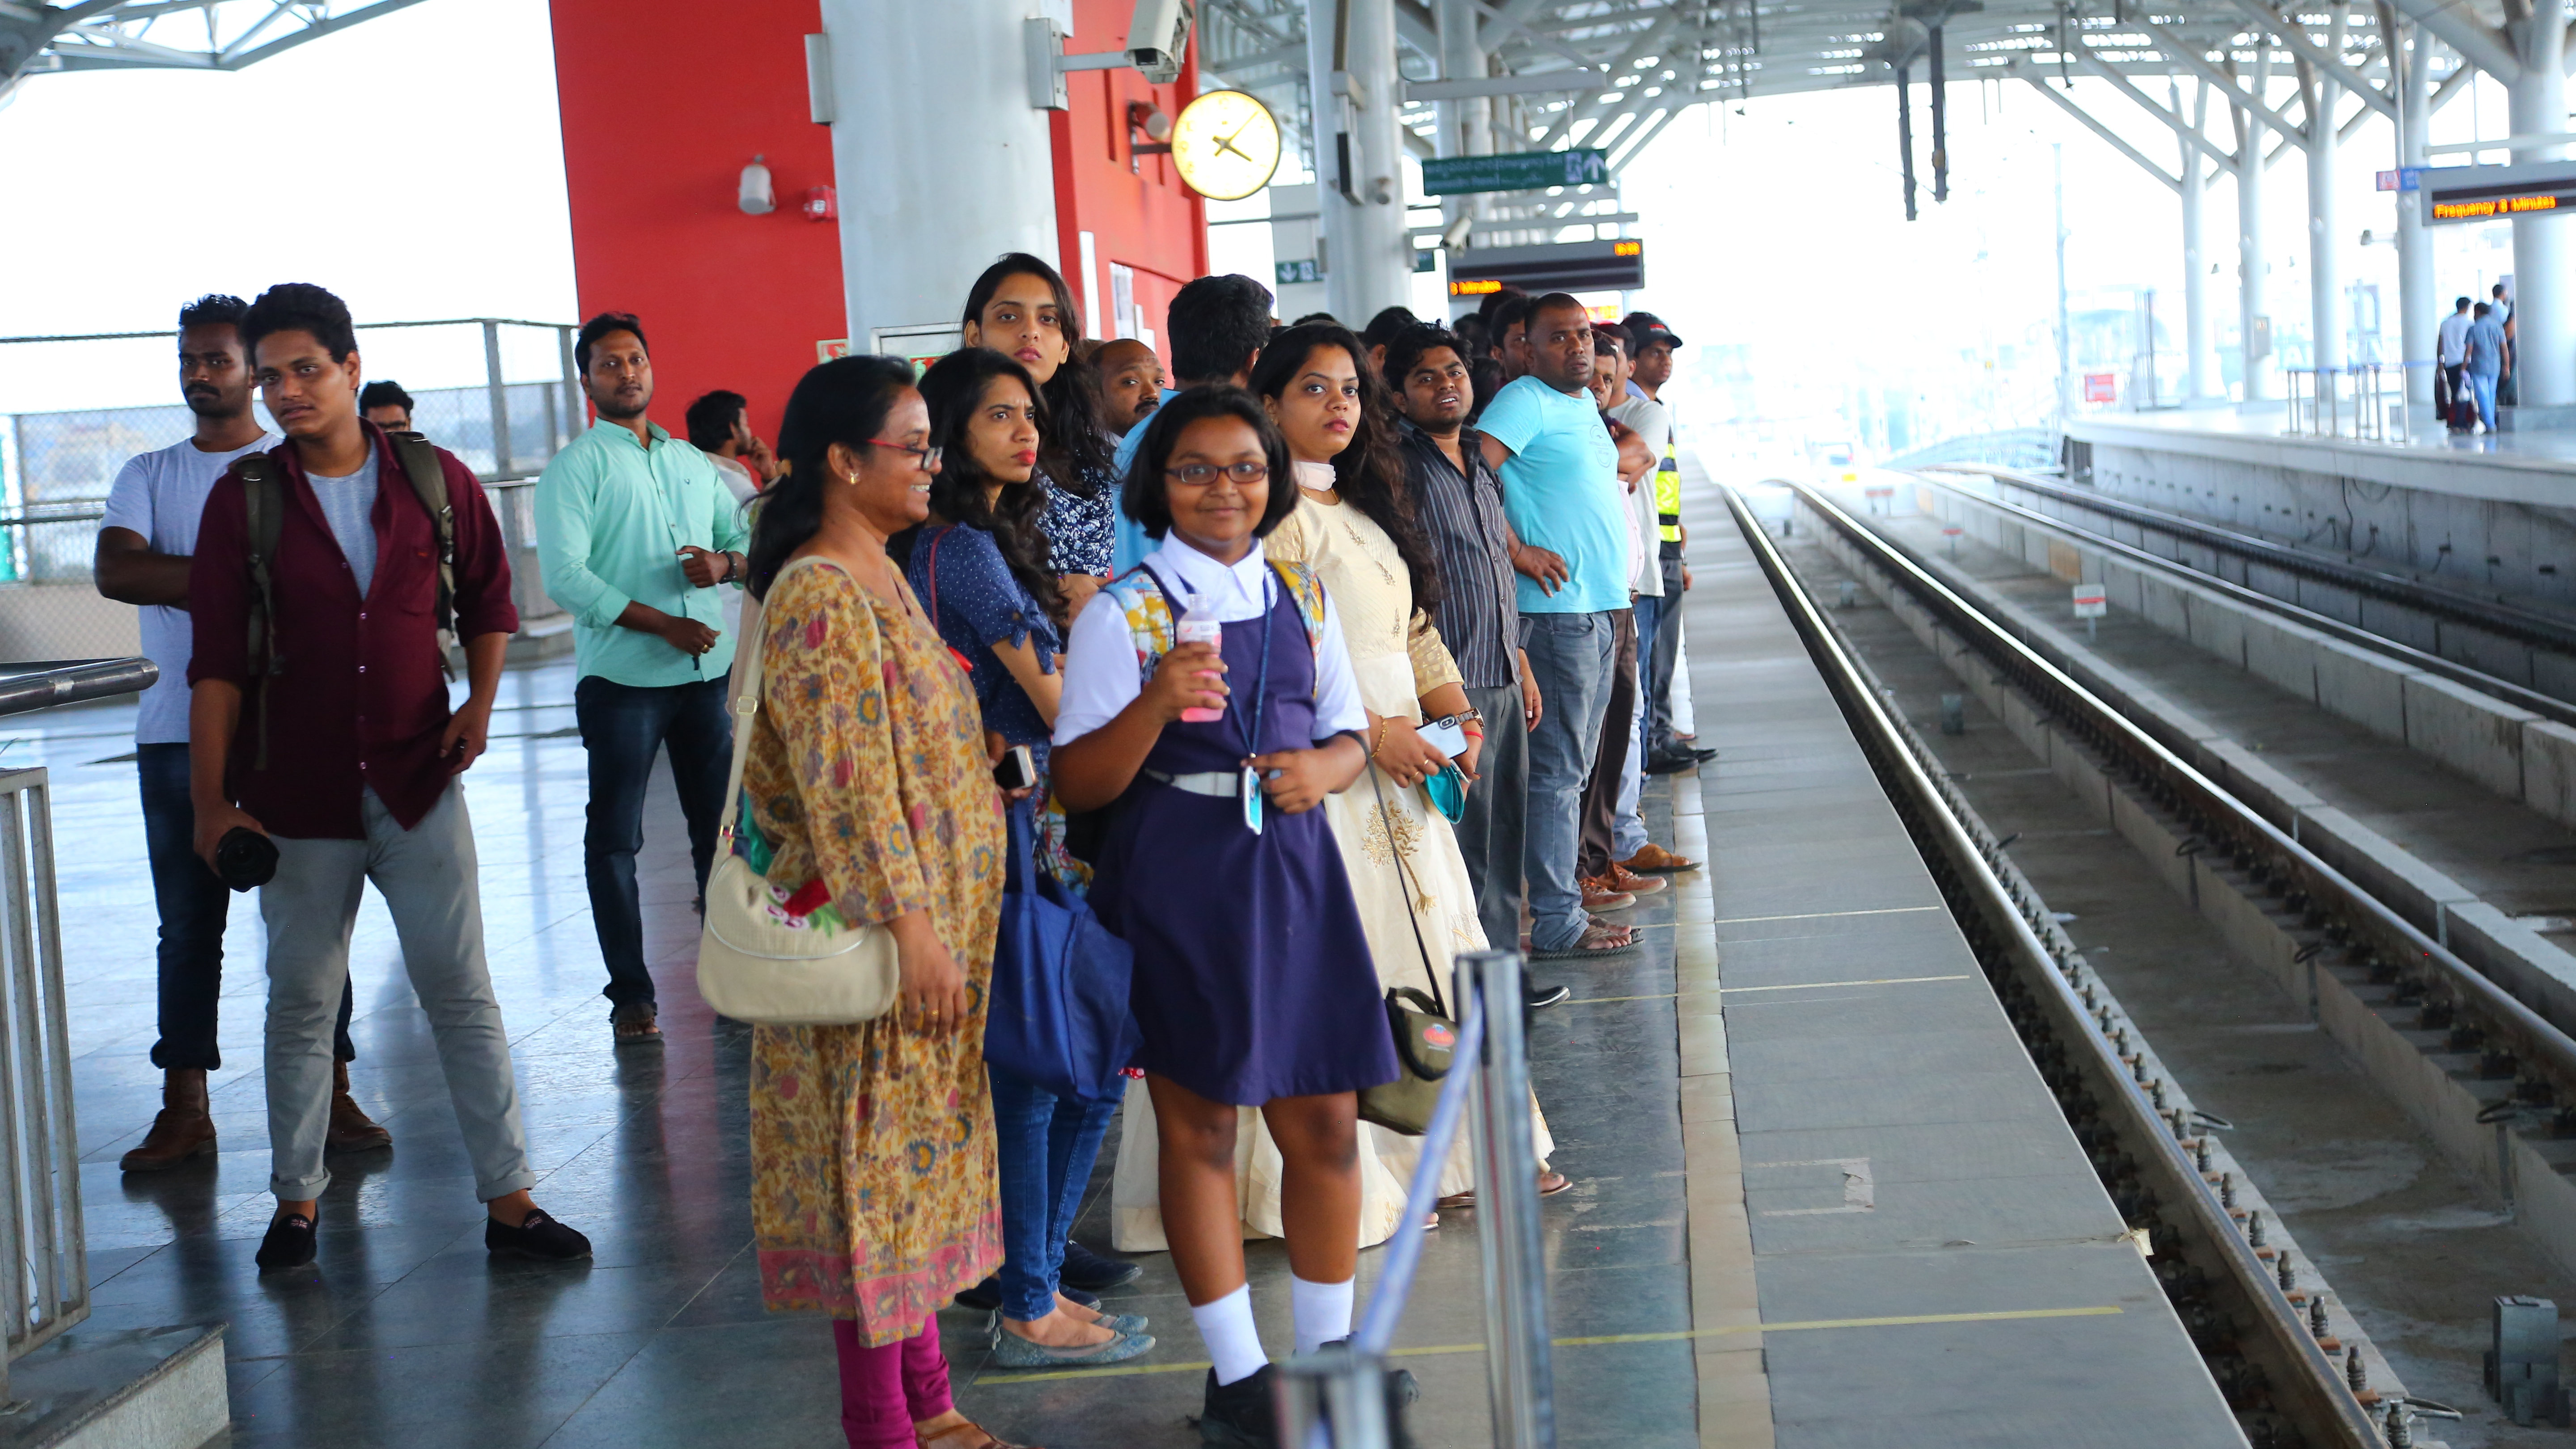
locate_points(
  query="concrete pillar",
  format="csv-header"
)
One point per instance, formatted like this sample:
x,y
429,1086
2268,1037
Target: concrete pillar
x,y
2250,137
1466,124
2544,350
1368,257
2199,374
940,161
2422,311
2325,231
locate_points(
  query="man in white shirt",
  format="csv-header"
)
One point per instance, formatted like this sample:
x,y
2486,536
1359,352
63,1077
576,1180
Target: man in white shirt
x,y
2454,346
144,540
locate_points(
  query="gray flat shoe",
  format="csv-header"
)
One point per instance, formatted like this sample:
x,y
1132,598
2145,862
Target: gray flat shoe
x,y
1011,1351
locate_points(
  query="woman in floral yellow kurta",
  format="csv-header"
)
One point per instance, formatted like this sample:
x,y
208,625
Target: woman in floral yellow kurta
x,y
867,799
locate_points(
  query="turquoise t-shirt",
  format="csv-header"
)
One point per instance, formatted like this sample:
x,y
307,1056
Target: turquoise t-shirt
x,y
1561,492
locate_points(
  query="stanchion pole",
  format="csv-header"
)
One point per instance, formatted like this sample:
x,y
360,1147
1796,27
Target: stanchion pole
x,y
1520,1377
1334,1399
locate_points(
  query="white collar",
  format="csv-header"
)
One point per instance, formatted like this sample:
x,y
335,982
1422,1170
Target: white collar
x,y
1236,584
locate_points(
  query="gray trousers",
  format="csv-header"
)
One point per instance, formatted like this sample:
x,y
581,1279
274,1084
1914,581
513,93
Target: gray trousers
x,y
1491,830
427,877
1570,656
1667,647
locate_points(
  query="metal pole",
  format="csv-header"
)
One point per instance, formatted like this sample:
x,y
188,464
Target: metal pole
x,y
573,425
2254,334
1466,127
1905,130
1520,1376
500,399
2065,340
2544,360
2195,271
1939,86
1333,1400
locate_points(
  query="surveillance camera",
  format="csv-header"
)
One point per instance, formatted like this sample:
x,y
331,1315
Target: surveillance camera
x,y
1454,236
1158,34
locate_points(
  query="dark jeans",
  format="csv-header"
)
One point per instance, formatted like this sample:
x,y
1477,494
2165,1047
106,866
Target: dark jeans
x,y
192,902
1493,826
1600,816
1667,648
621,726
1044,1146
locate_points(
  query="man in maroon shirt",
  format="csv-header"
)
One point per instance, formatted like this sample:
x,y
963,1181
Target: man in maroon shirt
x,y
346,756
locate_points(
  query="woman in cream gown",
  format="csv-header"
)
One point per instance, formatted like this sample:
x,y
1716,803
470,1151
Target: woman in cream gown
x,y
1398,659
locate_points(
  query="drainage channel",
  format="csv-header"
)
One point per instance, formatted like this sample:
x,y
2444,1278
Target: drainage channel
x,y
2296,1370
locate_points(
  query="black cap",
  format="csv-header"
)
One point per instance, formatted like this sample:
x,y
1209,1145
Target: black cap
x,y
1647,329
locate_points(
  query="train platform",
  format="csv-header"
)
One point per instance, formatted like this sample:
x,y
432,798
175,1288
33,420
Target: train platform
x,y
2527,464
1821,1195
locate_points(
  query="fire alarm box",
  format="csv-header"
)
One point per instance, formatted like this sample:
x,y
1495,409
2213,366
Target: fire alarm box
x,y
822,204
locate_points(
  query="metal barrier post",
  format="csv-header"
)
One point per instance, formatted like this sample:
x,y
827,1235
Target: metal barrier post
x,y
1333,1400
1520,1376
500,398
571,386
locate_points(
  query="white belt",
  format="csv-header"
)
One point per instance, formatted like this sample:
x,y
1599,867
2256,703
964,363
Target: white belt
x,y
1222,784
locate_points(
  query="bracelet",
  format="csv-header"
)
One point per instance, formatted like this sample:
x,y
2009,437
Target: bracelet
x,y
1472,734
1466,716
1381,738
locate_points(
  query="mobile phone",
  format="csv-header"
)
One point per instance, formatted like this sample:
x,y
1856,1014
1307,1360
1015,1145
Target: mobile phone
x,y
1445,735
1017,770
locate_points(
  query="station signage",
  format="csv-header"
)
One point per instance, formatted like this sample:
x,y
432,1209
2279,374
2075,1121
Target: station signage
x,y
2456,194
1616,265
1294,273
1519,171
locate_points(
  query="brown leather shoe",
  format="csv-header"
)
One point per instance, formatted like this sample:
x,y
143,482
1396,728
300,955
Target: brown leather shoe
x,y
1655,859
351,1129
1621,878
1599,895
182,1131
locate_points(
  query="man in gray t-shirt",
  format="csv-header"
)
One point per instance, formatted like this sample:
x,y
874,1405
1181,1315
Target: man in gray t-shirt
x,y
144,539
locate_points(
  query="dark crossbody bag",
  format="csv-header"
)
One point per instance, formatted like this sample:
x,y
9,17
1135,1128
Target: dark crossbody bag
x,y
1425,1036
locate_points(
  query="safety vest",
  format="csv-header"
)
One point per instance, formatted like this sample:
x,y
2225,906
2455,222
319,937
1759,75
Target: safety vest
x,y
1668,485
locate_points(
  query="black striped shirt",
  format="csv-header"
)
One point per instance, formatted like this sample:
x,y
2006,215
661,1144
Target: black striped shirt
x,y
1462,516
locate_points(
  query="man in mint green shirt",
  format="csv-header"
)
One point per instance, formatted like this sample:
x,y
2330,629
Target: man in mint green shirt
x,y
635,532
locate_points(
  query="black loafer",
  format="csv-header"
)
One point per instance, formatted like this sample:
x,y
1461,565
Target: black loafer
x,y
287,1244
986,1297
1239,1415
537,1236
1538,996
1094,1272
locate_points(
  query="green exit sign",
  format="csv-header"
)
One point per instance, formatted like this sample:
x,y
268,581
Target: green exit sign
x,y
1522,171
1290,274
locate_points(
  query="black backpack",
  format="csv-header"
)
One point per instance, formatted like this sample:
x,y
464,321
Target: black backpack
x,y
264,514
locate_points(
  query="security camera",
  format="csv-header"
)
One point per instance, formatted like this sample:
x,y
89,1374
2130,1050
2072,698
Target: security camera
x,y
1157,36
1454,236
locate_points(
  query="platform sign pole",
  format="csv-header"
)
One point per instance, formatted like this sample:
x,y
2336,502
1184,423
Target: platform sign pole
x,y
1520,1374
2092,601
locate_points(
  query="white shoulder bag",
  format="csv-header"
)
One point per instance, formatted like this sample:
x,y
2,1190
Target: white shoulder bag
x,y
754,963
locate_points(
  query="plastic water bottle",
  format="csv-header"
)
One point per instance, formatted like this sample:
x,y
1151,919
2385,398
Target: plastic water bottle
x,y
1191,628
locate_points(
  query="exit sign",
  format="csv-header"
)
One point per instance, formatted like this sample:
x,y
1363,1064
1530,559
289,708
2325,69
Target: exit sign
x,y
1305,269
1520,171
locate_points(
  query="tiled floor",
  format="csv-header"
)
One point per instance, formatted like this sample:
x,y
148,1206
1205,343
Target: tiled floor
x,y
405,1334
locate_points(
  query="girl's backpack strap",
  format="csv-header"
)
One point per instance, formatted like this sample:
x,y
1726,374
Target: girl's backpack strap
x,y
1308,592
1148,614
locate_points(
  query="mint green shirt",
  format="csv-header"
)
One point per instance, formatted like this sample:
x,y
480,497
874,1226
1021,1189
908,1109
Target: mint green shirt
x,y
612,516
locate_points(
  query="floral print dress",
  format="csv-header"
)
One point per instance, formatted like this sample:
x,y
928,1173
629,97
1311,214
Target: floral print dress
x,y
866,796
1082,533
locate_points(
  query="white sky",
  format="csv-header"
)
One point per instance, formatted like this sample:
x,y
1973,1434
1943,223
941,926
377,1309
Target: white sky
x,y
1781,228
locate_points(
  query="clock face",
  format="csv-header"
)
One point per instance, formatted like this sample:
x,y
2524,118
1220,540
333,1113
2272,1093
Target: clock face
x,y
1226,144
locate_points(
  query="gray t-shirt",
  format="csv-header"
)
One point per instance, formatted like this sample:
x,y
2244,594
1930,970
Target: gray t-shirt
x,y
161,496
348,504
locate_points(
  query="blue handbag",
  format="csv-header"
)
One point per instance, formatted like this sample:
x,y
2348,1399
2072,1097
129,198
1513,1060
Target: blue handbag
x,y
1059,1018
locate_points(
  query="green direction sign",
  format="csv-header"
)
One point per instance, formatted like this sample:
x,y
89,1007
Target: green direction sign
x,y
1524,171
1290,274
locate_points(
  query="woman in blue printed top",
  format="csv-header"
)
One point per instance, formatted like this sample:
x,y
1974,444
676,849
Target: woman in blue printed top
x,y
1020,307
979,566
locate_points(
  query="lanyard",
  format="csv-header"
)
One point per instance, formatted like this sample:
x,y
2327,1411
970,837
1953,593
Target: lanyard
x,y
1250,730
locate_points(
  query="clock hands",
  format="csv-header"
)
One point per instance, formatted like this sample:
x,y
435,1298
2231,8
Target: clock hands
x,y
1226,141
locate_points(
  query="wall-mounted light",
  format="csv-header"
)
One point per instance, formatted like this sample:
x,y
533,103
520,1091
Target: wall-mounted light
x,y
755,197
1147,117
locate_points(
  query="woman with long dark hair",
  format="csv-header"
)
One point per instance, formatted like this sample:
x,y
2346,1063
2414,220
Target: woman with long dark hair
x,y
1020,307
868,800
979,561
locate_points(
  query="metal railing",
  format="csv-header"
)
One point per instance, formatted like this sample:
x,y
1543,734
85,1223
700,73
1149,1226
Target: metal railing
x,y
1339,1399
2361,400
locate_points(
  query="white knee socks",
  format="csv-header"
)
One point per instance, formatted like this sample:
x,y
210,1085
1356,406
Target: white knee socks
x,y
1233,1342
1322,1310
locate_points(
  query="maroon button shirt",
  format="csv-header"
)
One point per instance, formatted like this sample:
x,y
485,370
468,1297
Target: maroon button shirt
x,y
362,697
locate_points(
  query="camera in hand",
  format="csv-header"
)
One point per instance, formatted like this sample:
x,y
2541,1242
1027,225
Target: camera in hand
x,y
245,858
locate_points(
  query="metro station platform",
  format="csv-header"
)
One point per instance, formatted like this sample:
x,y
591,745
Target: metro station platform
x,y
1821,1196
2533,464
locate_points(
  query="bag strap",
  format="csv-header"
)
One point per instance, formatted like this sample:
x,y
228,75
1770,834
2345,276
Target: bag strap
x,y
263,518
1404,878
429,483
746,701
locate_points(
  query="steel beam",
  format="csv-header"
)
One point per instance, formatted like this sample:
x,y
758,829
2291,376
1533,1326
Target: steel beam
x,y
2097,128
2295,37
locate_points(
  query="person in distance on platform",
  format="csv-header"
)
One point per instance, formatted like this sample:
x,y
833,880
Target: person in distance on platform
x,y
144,539
1509,324
384,403
1253,984
2509,382
635,531
1217,325
2486,363
981,564
1021,308
868,799
719,426
348,761
1131,383
1381,330
1651,369
2452,347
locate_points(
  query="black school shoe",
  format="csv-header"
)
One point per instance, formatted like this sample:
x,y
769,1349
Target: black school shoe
x,y
1240,1415
537,1236
986,1297
287,1244
1094,1272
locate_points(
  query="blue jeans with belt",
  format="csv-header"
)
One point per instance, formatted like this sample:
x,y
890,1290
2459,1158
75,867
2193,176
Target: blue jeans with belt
x,y
1045,1146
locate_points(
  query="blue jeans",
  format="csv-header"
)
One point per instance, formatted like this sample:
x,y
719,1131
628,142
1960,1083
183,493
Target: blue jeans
x,y
1571,656
622,725
2482,386
192,902
1650,622
1045,1146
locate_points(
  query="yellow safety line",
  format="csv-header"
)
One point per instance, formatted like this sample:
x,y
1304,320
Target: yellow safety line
x,y
1825,915
1733,990
1004,1377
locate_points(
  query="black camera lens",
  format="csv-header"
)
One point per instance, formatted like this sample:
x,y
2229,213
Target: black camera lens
x,y
245,858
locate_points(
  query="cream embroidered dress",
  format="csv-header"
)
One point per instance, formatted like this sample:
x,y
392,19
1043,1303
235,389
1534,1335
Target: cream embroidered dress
x,y
1397,656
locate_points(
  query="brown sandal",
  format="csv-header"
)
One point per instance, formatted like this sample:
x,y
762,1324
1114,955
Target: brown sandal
x,y
1550,1183
964,1436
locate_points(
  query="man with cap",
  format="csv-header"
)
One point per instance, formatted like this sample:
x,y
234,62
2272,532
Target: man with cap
x,y
1651,369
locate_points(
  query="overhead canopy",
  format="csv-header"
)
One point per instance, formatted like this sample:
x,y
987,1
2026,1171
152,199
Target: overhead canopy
x,y
167,34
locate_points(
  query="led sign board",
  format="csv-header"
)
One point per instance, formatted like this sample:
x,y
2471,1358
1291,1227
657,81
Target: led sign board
x,y
2457,194
1594,266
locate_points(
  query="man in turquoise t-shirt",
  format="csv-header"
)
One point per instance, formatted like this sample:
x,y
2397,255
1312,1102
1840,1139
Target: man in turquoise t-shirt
x,y
1561,494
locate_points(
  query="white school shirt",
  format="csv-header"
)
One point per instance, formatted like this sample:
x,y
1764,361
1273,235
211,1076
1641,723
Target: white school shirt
x,y
161,495
1100,675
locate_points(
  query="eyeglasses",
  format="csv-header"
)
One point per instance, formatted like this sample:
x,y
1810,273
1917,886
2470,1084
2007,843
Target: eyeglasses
x,y
927,458
1200,475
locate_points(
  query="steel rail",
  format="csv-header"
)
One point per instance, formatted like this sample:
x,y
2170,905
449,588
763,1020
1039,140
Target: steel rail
x,y
2476,1009
2548,706
2525,626
2325,1402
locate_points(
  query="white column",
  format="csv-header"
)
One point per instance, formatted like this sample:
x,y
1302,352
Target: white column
x,y
2199,374
2325,230
2421,311
1368,263
940,161
2541,304
1466,126
2251,134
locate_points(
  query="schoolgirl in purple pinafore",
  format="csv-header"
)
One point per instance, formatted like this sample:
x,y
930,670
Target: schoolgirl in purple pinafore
x,y
1253,979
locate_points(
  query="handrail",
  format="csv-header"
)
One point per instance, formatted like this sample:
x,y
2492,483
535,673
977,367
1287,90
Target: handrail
x,y
362,327
43,684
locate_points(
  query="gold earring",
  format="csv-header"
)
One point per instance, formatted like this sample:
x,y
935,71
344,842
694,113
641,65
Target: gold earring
x,y
854,480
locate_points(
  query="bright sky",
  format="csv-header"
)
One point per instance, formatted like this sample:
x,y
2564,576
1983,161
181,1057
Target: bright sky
x,y
1780,228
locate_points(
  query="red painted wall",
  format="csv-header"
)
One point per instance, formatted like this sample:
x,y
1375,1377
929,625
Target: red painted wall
x,y
1135,207
661,111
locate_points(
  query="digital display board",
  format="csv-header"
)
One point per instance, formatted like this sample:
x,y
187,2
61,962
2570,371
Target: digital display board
x,y
1615,265
2458,194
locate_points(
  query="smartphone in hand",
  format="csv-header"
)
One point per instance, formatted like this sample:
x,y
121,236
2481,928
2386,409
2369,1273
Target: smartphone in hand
x,y
1017,769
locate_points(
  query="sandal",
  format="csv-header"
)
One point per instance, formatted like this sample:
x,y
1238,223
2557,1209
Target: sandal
x,y
1598,939
1549,1185
968,1435
634,1023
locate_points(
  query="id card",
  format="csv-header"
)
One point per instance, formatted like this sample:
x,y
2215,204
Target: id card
x,y
1252,799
